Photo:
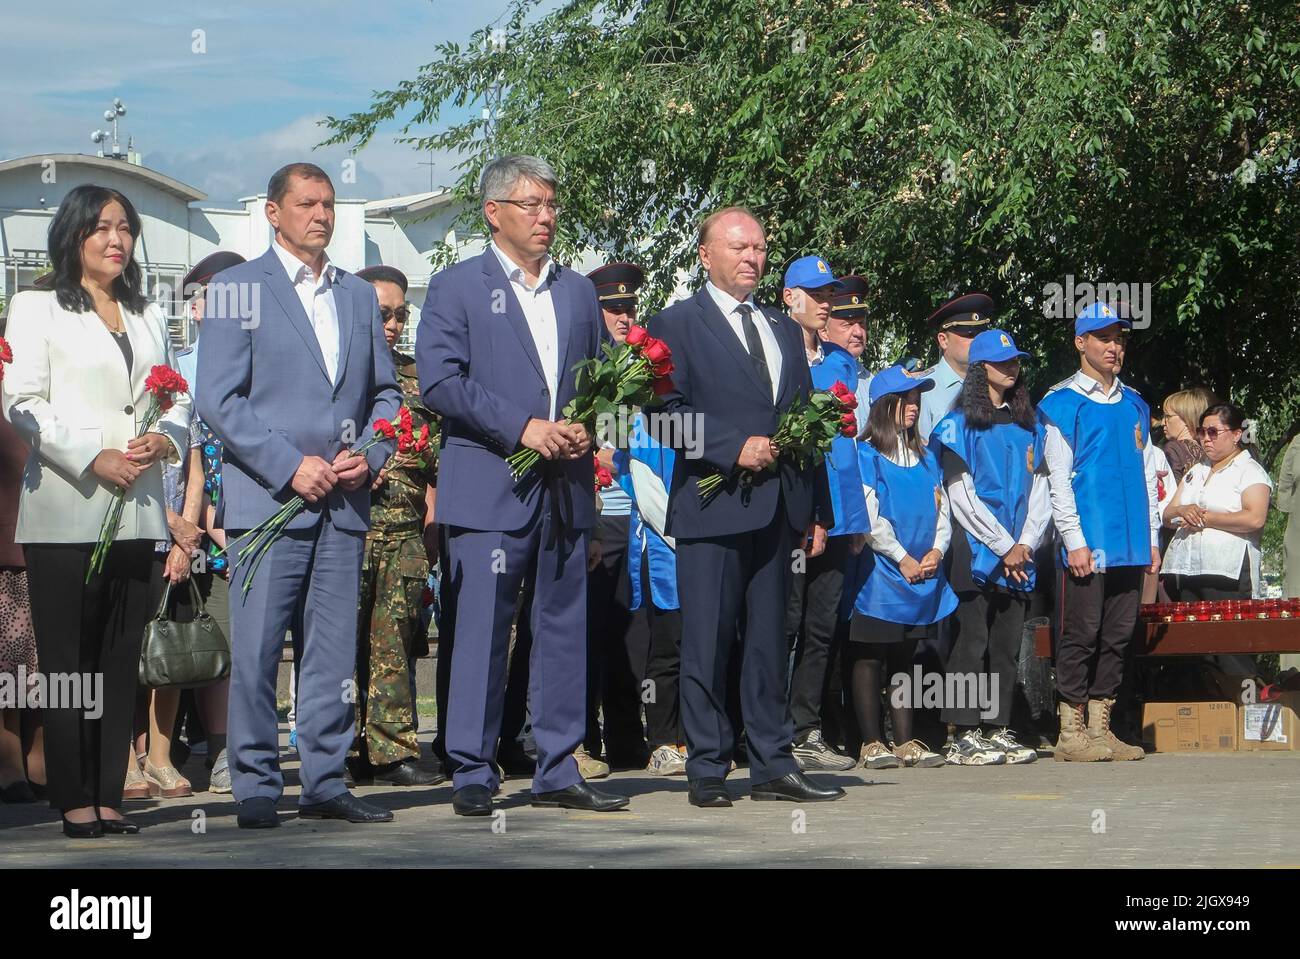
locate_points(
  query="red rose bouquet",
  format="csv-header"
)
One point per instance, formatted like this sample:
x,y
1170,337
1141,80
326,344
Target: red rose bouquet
x,y
804,432
257,542
630,375
162,384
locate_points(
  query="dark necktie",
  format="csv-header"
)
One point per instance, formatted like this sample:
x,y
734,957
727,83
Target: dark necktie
x,y
754,345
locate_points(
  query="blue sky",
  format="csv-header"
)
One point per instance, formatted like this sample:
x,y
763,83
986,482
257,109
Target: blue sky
x,y
224,119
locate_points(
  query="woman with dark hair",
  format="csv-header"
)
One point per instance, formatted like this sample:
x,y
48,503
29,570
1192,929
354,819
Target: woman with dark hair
x,y
991,451
1218,511
76,393
901,588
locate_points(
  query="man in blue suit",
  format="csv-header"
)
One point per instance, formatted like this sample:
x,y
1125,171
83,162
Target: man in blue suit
x,y
737,367
294,369
498,339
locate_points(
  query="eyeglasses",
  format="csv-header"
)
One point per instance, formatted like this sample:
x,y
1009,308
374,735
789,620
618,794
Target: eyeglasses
x,y
534,207
388,313
1211,431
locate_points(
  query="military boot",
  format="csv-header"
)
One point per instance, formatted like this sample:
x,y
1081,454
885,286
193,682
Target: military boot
x,y
1099,731
1075,745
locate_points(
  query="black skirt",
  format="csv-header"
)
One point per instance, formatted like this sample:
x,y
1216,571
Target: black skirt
x,y
868,629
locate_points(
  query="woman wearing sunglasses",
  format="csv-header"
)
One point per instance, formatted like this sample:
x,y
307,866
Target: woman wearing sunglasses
x,y
1218,512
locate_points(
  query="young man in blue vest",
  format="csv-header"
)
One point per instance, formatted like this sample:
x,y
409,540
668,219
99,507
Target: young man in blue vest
x,y
810,618
1104,498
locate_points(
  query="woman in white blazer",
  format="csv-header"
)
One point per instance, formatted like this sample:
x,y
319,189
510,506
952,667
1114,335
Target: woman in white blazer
x,y
75,392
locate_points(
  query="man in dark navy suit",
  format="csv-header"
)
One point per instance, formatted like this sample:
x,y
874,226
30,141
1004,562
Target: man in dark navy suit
x,y
737,367
498,339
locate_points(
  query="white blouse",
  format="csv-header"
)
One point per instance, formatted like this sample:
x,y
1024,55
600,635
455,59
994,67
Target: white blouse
x,y
882,538
1217,552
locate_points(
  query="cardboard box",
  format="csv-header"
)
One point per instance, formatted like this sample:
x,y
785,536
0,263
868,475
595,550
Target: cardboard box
x,y
1272,726
1209,727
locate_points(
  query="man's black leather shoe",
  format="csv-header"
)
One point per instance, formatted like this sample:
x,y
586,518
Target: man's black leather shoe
x,y
406,773
258,813
794,787
475,800
346,806
581,796
709,792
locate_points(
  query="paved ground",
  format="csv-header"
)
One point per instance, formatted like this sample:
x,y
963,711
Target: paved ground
x,y
1176,811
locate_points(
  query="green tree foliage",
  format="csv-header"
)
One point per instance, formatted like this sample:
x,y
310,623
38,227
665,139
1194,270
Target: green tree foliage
x,y
934,148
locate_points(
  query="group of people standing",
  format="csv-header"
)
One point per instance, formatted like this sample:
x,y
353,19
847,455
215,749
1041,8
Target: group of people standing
x,y
739,622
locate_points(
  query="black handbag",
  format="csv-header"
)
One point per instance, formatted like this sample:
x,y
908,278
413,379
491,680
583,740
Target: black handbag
x,y
183,655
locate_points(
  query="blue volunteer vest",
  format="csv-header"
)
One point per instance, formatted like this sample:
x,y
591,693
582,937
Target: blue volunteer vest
x,y
1109,479
842,461
908,498
644,544
1001,461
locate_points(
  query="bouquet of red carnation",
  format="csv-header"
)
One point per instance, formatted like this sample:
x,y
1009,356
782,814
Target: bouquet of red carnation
x,y
257,541
6,356
162,385
412,447
804,432
604,478
630,375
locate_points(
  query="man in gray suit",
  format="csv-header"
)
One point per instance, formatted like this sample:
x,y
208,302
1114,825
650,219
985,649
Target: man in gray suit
x,y
293,371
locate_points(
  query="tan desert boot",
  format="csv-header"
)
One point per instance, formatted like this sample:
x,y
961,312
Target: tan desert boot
x,y
1099,731
1075,745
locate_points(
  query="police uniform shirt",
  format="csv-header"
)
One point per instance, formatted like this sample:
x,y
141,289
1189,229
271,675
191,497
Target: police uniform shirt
x,y
938,402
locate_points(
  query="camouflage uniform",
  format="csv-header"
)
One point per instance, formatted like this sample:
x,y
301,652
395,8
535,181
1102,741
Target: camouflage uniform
x,y
393,576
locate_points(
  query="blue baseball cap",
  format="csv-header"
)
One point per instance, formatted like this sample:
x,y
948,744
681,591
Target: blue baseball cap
x,y
810,273
896,380
1098,316
994,346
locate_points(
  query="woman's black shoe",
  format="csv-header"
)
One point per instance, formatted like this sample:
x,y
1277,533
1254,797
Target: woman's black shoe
x,y
39,790
82,830
19,792
119,827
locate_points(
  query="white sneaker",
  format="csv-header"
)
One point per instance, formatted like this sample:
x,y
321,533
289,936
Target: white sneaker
x,y
971,749
1017,753
666,761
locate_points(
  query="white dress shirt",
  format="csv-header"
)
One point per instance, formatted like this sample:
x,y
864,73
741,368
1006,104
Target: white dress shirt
x,y
766,335
882,538
1217,552
539,312
1060,467
316,294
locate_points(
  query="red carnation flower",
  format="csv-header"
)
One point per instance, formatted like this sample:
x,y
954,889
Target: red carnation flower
x,y
386,428
422,443
636,335
6,354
